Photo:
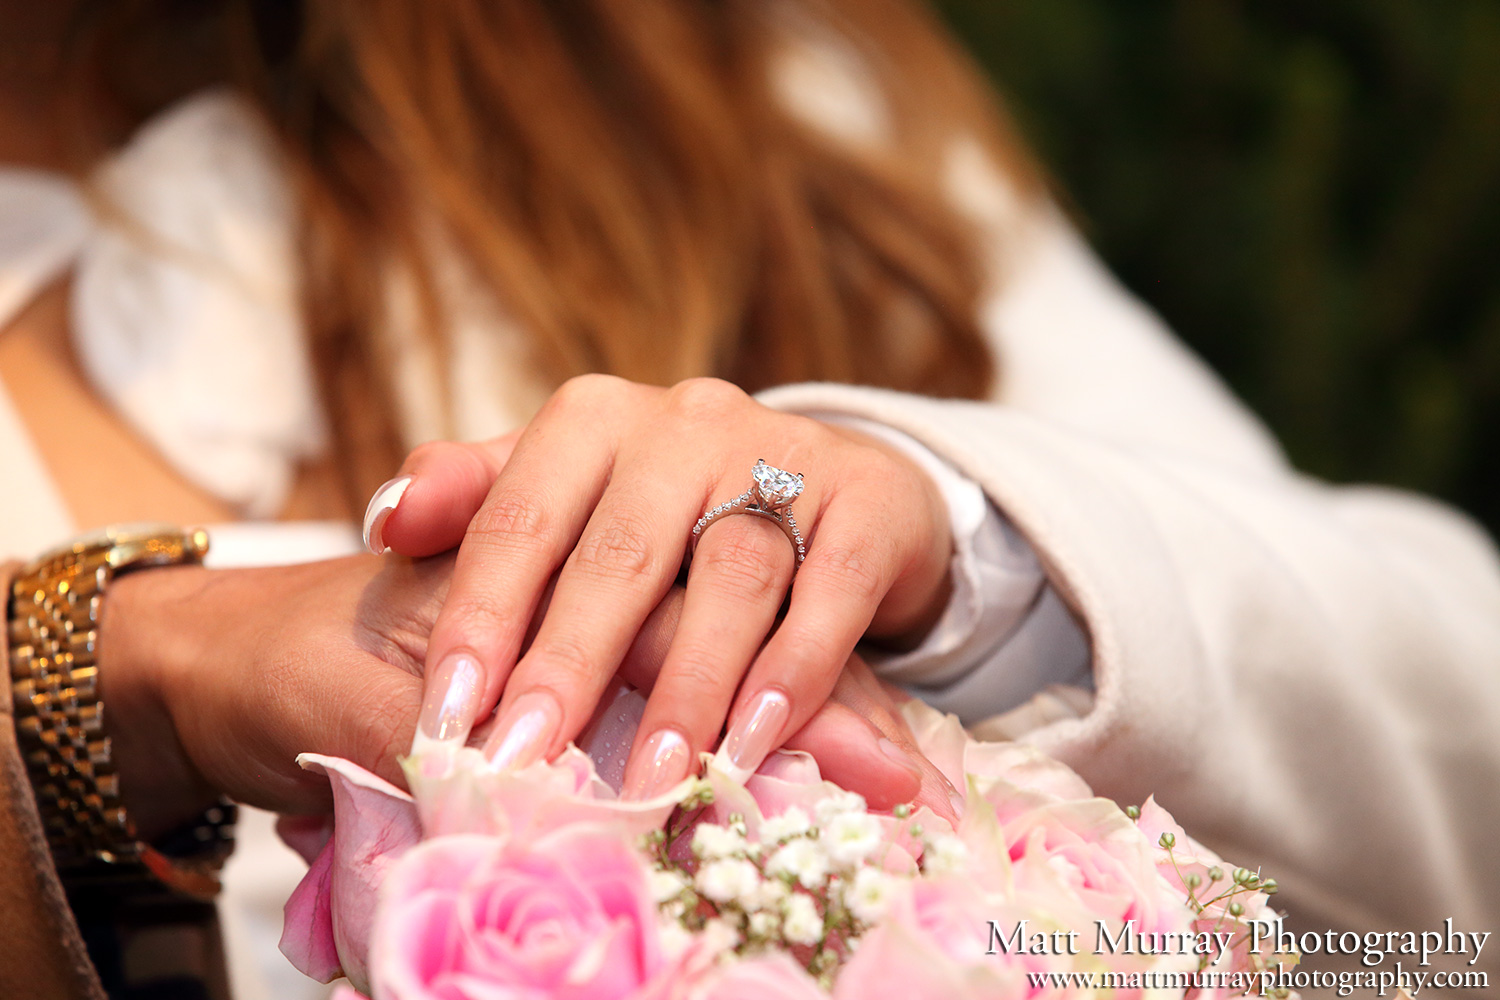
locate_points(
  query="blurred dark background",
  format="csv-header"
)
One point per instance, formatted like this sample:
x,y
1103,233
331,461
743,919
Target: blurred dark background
x,y
1309,192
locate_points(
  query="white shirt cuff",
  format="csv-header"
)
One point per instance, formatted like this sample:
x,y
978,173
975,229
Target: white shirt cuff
x,y
1005,635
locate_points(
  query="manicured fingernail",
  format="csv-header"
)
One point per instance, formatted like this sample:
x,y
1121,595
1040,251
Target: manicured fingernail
x,y
756,730
381,506
528,729
893,751
662,762
452,698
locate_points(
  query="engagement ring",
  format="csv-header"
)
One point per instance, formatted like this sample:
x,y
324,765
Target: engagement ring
x,y
770,496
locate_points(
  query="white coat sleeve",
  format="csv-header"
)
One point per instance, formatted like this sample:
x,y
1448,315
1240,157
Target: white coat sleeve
x,y
1306,675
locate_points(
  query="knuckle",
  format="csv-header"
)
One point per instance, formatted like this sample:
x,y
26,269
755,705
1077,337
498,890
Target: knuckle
x,y
477,620
697,674
583,394
701,399
617,549
506,519
814,652
851,569
565,665
750,561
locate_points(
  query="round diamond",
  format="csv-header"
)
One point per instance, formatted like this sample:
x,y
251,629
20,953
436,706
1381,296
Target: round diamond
x,y
776,487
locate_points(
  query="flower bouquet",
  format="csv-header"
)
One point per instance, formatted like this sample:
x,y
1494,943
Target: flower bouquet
x,y
485,884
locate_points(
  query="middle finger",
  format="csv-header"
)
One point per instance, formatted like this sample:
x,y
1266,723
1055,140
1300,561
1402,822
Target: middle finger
x,y
626,559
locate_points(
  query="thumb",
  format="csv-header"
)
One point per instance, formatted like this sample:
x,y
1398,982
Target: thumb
x,y
441,486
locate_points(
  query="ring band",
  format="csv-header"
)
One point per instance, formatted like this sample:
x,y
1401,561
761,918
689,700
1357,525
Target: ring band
x,y
770,496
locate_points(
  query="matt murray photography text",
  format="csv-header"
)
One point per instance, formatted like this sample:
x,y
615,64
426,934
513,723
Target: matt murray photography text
x,y
1373,948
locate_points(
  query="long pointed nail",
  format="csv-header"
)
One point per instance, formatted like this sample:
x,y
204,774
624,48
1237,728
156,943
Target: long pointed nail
x,y
661,762
451,700
756,731
382,504
527,730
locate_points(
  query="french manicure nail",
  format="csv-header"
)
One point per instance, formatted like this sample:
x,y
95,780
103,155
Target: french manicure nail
x,y
662,762
526,732
452,698
382,504
756,730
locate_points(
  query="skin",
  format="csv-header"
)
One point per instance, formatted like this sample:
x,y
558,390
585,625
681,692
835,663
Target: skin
x,y
215,680
596,499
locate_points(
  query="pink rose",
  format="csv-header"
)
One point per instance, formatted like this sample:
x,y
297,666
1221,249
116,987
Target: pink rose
x,y
773,976
932,945
567,916
458,791
1013,777
1189,857
1092,851
327,918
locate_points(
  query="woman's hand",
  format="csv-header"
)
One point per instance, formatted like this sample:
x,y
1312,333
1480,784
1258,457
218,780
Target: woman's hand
x,y
599,496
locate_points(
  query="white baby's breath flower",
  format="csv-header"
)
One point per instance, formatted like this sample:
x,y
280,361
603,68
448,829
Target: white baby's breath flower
x,y
711,841
837,804
727,880
946,853
801,923
666,885
720,936
868,896
674,938
803,860
767,896
851,837
764,924
792,823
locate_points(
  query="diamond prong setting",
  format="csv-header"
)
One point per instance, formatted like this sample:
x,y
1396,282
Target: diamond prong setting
x,y
777,487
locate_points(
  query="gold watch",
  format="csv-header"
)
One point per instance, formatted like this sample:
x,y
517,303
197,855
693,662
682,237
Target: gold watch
x,y
53,615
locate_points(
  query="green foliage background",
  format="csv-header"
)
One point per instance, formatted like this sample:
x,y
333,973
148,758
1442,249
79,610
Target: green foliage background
x,y
1307,190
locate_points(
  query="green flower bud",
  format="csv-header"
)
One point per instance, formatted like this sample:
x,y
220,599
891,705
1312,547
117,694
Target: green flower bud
x,y
1134,812
902,811
1193,880
1236,909
1168,840
1215,873
1269,887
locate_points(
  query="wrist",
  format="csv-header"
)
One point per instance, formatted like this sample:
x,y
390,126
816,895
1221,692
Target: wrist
x,y
147,646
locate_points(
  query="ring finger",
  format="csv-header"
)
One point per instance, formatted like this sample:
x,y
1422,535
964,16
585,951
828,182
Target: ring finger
x,y
736,584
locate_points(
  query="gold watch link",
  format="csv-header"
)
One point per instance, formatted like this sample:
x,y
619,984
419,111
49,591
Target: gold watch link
x,y
53,614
